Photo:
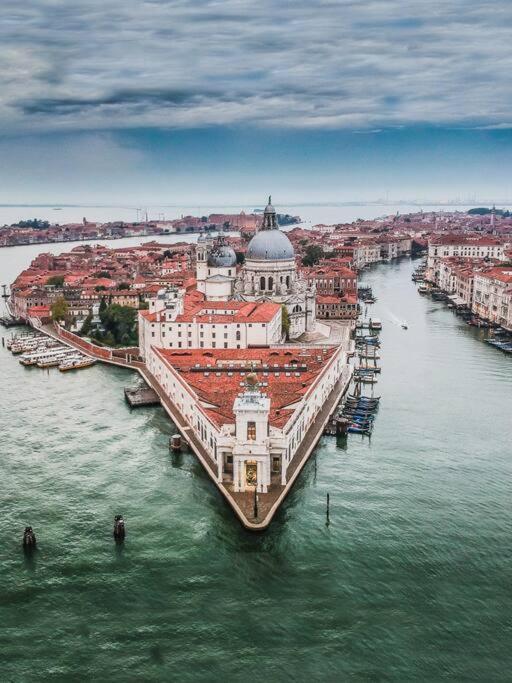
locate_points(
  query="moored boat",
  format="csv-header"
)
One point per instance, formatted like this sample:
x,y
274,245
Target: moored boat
x,y
76,363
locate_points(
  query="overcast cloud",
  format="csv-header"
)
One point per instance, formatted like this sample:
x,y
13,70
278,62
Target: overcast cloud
x,y
95,64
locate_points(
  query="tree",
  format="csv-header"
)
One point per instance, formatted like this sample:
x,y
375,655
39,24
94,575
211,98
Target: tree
x,y
103,305
100,288
285,321
55,280
34,223
119,325
240,258
86,327
59,309
124,285
314,252
102,273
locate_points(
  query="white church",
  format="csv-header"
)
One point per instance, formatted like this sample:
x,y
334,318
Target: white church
x,y
268,274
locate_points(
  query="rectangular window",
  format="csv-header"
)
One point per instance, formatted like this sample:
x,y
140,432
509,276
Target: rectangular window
x,y
251,431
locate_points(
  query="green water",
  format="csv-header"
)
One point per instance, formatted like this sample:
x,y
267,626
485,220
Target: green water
x,y
411,581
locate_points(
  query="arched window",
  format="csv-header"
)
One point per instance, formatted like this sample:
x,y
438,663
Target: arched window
x,y
262,283
271,283
297,309
288,281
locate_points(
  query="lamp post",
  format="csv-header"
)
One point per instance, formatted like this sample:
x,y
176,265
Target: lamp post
x,y
256,498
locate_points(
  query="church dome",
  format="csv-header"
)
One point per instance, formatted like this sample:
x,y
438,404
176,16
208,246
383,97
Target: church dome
x,y
270,245
222,256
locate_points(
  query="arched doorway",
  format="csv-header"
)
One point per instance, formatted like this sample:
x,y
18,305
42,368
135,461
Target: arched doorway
x,y
251,473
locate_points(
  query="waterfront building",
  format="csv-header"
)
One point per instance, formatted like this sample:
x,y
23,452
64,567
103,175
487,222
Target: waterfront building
x,y
250,408
332,307
466,246
493,294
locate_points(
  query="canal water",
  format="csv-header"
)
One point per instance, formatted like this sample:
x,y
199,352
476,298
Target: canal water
x,y
409,582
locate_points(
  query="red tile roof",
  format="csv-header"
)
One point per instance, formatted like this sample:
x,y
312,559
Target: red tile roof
x,y
216,387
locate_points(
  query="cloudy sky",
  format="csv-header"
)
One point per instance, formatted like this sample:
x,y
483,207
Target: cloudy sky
x,y
170,101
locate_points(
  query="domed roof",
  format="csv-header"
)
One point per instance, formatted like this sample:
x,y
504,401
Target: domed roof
x,y
222,256
270,245
269,208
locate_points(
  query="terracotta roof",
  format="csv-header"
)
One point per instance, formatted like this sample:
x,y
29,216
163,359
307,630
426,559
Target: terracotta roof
x,y
219,385
218,311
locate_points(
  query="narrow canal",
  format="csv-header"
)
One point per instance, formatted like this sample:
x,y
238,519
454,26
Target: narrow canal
x,y
410,581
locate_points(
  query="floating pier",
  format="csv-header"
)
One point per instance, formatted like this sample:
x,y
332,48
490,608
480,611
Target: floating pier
x,y
137,397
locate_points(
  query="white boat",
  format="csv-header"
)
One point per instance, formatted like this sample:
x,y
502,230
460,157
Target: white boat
x,y
76,362
54,360
33,357
375,324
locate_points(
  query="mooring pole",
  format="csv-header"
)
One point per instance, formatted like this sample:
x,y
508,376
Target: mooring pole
x,y
256,501
327,521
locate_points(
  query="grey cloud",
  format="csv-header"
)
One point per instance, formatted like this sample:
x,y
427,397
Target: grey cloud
x,y
185,63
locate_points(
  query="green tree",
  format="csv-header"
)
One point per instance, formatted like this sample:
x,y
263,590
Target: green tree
x,y
100,288
124,285
86,327
119,324
285,321
102,273
240,258
314,252
34,223
59,309
55,280
103,305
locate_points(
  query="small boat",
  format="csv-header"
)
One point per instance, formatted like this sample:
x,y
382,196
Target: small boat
x,y
356,429
423,289
76,363
369,300
403,325
375,324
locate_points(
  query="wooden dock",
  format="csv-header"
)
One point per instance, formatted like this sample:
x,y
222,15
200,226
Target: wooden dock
x,y
137,397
